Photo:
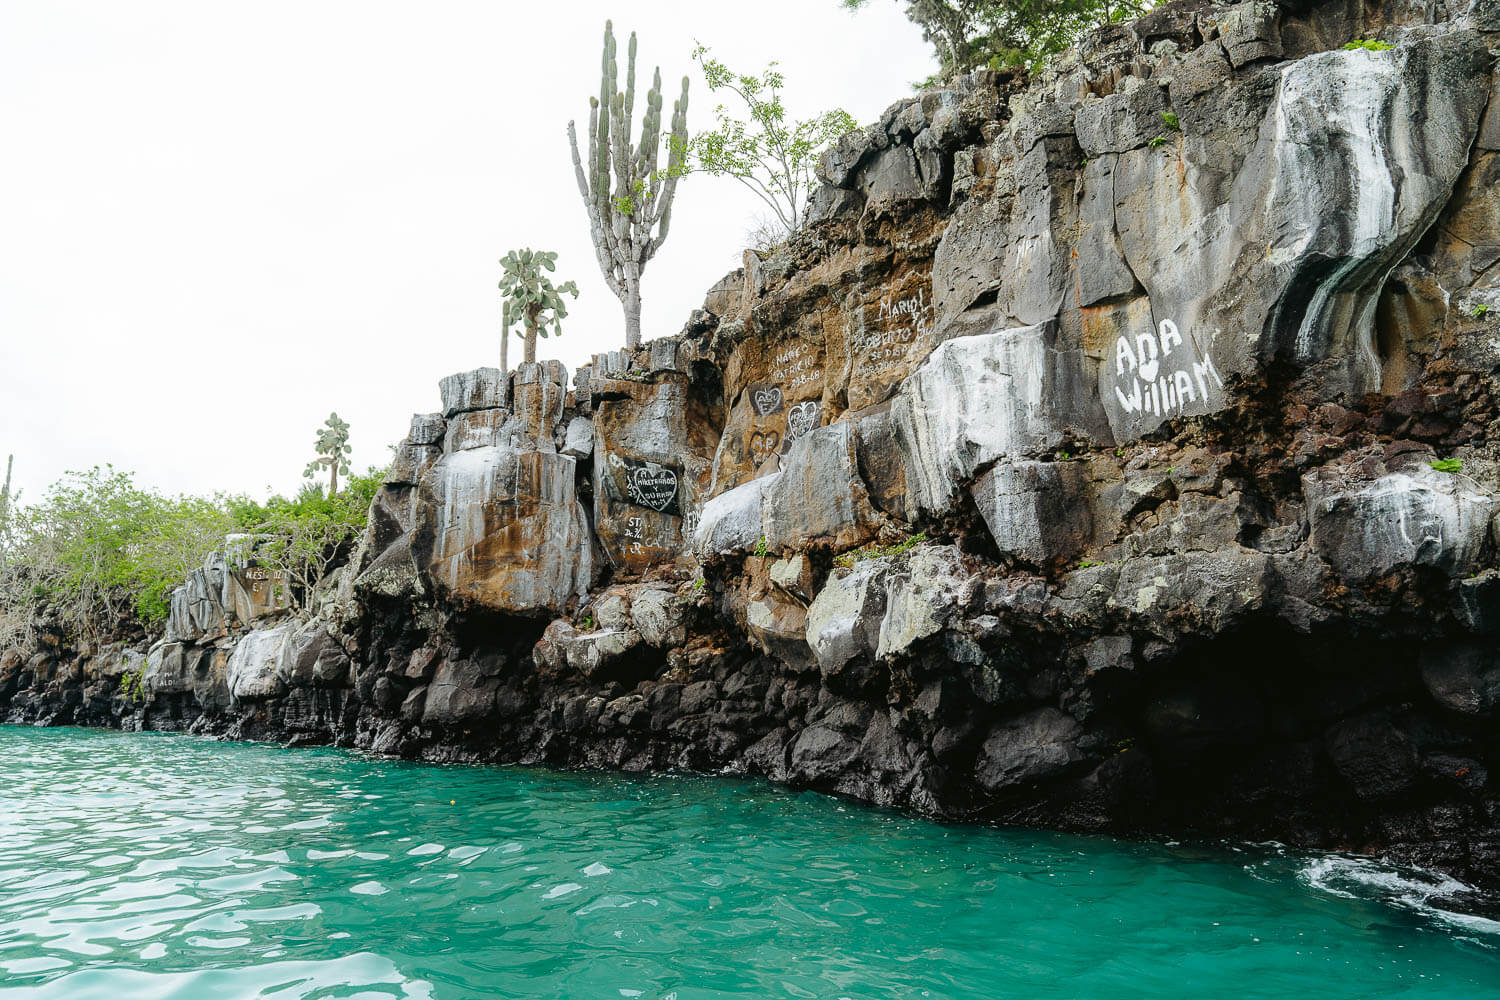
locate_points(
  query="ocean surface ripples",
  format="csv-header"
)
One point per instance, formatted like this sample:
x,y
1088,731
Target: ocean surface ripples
x,y
142,865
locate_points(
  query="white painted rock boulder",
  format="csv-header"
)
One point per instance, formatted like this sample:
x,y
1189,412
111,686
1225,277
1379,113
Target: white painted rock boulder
x,y
1419,517
253,666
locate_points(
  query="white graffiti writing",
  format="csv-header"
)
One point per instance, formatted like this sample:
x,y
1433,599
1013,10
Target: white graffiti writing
x,y
635,536
802,418
766,401
1164,375
796,366
902,307
896,325
652,485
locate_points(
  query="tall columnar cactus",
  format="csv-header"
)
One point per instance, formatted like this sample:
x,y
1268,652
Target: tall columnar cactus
x,y
623,219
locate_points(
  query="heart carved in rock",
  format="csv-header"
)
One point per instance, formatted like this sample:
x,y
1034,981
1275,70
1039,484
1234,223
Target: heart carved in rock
x,y
763,445
653,486
1149,369
800,419
766,401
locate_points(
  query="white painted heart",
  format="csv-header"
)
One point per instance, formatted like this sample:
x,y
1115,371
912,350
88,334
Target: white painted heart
x,y
1149,369
766,401
802,418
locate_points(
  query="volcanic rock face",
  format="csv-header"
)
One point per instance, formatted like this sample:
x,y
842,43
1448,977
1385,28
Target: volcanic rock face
x,y
1074,465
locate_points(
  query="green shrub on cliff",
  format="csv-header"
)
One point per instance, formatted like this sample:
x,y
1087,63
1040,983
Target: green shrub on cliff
x,y
100,551
771,155
99,555
973,34
309,535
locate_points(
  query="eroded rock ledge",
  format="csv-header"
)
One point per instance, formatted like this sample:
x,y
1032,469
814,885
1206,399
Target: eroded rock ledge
x,y
1073,466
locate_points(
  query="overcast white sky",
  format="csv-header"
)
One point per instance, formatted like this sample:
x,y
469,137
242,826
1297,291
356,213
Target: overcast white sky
x,y
218,222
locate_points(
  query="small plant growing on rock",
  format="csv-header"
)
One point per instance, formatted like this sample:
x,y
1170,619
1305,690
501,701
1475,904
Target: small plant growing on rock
x,y
1448,465
848,559
1172,121
133,686
760,548
1368,44
1159,140
1478,311
586,623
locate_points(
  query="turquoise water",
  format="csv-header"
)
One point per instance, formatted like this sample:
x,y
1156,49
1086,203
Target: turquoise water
x,y
140,865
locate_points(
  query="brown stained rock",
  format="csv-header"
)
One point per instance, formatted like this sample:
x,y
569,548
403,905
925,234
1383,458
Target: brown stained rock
x,y
539,396
504,529
888,336
836,332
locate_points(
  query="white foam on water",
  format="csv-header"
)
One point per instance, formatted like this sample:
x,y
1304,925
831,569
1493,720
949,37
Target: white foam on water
x,y
1354,877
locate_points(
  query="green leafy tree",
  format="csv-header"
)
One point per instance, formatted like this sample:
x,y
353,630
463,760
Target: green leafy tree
x,y
769,154
531,299
972,34
310,535
98,551
629,221
333,451
100,556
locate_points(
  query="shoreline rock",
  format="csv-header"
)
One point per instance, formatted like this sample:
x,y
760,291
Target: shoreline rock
x,y
1073,467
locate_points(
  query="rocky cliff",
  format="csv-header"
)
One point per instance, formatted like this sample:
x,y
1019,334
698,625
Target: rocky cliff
x,y
1085,461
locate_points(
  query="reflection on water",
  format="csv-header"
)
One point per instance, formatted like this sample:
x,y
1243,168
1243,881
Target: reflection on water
x,y
142,865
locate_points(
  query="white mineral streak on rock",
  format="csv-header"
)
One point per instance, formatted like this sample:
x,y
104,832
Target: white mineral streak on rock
x,y
1428,518
1336,99
844,620
503,527
468,479
817,497
974,400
